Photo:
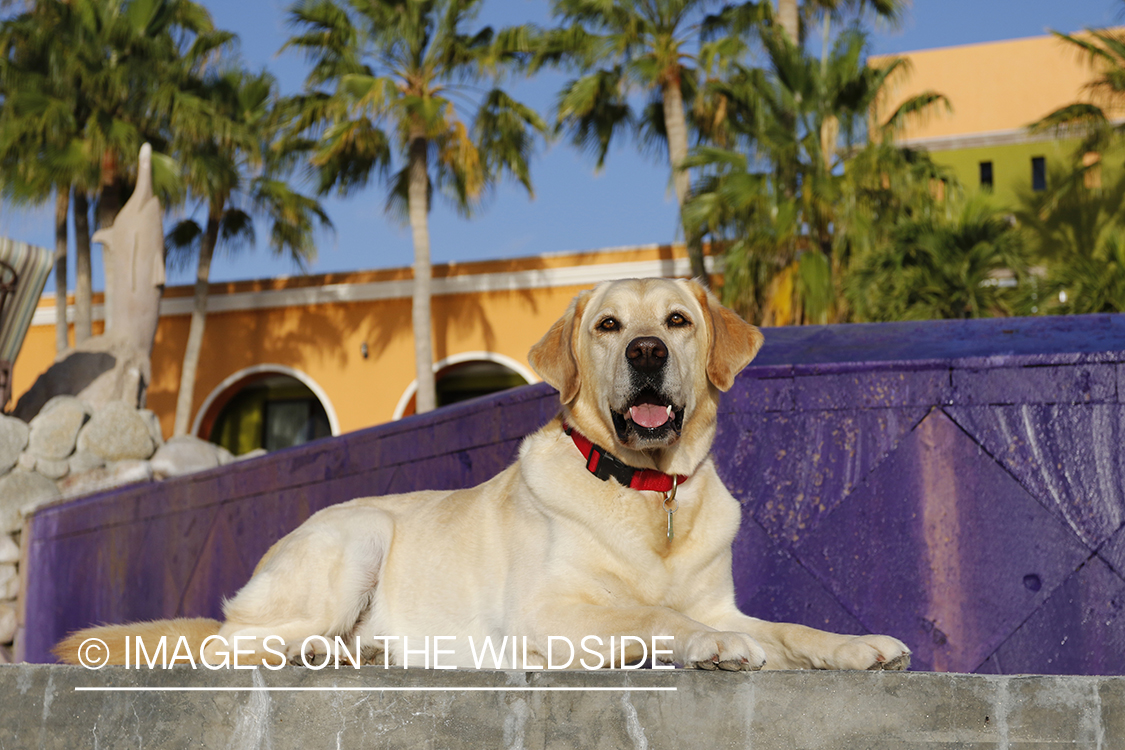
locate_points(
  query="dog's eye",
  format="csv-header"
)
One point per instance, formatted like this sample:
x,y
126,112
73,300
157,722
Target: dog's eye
x,y
677,320
608,324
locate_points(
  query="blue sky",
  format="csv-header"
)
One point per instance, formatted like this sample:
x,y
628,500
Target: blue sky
x,y
628,203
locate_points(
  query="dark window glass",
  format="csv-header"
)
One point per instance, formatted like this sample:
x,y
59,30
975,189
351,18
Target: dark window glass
x,y
473,379
1038,173
271,412
986,174
293,422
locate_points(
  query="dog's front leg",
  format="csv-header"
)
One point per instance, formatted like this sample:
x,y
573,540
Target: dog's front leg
x,y
693,644
790,646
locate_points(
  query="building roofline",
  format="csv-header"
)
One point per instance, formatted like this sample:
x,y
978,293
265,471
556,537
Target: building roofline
x,y
994,43
473,277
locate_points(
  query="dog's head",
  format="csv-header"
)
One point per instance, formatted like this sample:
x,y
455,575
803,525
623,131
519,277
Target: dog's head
x,y
639,364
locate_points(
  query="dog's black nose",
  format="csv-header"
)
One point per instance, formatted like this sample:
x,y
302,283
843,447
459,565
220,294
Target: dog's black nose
x,y
646,353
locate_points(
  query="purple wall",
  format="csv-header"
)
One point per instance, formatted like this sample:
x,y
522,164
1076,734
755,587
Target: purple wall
x,y
957,484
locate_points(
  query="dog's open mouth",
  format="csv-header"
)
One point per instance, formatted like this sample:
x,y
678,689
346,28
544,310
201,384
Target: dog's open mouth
x,y
650,418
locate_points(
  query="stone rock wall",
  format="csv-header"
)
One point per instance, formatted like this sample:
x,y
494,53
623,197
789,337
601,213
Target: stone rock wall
x,y
71,448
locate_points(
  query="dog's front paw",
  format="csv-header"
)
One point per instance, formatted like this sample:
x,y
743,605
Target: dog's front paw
x,y
302,652
871,652
712,649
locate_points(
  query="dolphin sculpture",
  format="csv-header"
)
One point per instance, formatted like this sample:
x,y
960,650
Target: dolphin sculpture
x,y
133,250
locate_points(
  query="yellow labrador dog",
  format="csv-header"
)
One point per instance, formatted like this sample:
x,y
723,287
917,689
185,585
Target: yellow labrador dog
x,y
613,522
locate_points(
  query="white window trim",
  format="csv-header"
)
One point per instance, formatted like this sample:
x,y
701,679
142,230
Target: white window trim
x,y
333,421
518,367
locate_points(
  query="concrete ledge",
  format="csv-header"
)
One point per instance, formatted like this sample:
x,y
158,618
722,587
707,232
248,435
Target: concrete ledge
x,y
372,707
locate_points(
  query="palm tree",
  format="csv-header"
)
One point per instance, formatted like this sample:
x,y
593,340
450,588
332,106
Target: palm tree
x,y
655,46
141,55
789,19
801,190
412,68
38,130
85,83
1105,51
939,268
33,183
1077,230
230,157
1077,237
1090,283
789,13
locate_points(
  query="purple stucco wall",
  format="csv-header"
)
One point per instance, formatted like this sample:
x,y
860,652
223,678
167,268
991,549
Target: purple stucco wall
x,y
958,484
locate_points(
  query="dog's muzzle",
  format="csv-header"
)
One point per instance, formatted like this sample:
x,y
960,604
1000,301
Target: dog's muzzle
x,y
649,418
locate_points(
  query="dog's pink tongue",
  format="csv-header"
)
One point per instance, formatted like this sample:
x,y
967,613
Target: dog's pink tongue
x,y
649,415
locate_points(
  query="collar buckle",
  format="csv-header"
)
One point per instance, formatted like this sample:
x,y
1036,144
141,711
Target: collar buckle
x,y
604,465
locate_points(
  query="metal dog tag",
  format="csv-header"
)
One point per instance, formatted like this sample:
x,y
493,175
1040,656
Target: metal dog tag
x,y
671,506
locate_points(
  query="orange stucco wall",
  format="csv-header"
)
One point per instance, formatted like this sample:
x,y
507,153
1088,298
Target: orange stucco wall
x,y
991,87
324,340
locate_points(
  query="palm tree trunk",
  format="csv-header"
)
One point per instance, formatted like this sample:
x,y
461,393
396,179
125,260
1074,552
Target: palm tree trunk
x,y
83,284
198,321
62,208
417,202
825,49
675,125
789,19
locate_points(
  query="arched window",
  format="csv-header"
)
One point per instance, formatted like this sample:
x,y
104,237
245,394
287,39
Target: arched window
x,y
463,378
263,409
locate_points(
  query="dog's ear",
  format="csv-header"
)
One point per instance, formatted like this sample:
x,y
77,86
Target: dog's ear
x,y
554,358
734,342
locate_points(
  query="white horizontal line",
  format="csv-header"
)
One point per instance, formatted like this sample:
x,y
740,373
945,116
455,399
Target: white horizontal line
x,y
542,278
991,138
977,140
45,316
468,689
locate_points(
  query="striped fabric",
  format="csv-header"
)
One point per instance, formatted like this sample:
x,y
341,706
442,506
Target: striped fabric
x,y
33,266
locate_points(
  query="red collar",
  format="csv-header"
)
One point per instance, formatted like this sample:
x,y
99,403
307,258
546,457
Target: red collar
x,y
604,465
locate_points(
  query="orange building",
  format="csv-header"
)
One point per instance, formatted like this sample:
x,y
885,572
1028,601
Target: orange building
x,y
290,359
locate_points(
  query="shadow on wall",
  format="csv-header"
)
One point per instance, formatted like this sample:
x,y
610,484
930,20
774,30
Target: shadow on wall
x,y
70,376
324,337
329,337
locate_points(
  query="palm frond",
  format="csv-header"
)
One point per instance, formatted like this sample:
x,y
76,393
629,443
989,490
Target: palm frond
x,y
593,109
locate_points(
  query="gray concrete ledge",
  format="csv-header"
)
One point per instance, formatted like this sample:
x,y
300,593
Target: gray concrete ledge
x,y
375,708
